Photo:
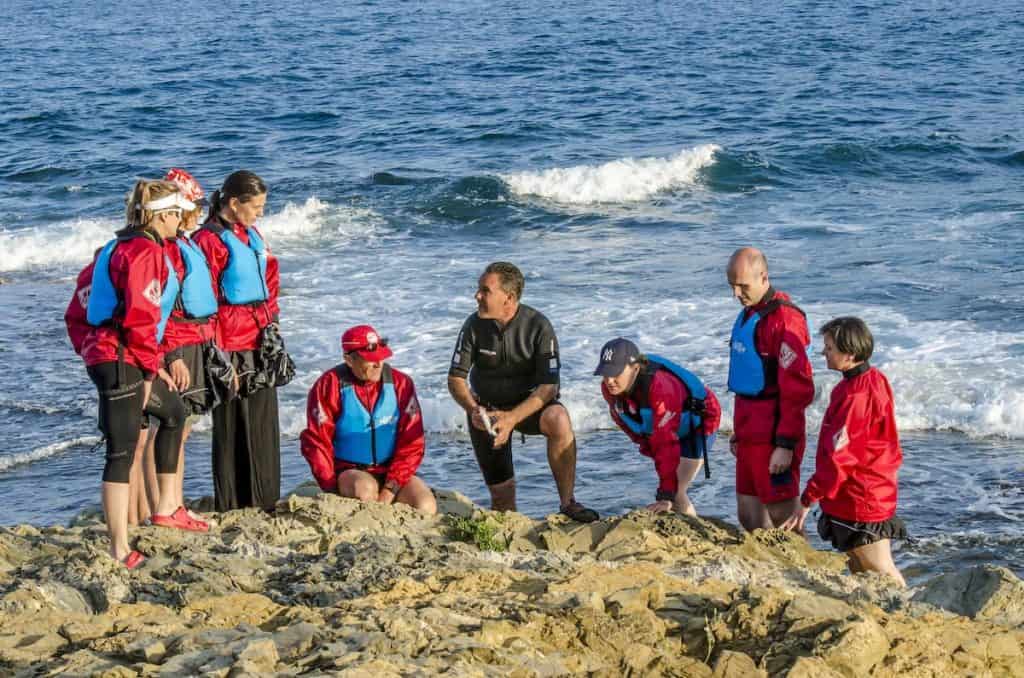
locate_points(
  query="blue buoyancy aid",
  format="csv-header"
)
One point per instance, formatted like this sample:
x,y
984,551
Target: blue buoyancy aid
x,y
749,371
362,438
105,303
244,279
198,300
690,417
167,299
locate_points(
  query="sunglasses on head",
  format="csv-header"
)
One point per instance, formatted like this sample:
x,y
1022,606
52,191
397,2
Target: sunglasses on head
x,y
383,341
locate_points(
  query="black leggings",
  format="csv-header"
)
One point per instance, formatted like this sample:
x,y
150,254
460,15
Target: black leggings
x,y
120,419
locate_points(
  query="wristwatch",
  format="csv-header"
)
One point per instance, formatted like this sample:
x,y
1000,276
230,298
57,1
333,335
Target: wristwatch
x,y
392,486
665,495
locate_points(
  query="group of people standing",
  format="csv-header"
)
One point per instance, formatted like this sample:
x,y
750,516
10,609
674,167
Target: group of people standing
x,y
174,319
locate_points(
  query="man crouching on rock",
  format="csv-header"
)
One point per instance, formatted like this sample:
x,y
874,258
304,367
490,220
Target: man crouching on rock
x,y
364,431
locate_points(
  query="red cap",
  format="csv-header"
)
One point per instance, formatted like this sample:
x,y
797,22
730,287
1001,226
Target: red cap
x,y
365,341
188,185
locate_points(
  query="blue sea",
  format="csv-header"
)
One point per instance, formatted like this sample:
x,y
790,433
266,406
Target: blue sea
x,y
617,152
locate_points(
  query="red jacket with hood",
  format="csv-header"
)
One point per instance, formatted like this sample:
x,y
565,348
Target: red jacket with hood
x,y
238,327
665,396
323,411
777,418
139,272
859,454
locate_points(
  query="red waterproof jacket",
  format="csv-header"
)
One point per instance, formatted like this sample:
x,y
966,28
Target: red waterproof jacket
x,y
858,450
777,417
182,331
238,327
323,411
665,396
139,272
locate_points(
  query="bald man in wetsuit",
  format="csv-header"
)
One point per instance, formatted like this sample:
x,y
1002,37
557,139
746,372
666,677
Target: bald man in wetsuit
x,y
770,373
505,375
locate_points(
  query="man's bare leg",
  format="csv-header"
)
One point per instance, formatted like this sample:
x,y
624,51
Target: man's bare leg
x,y
417,494
752,513
876,557
357,485
503,495
557,428
779,511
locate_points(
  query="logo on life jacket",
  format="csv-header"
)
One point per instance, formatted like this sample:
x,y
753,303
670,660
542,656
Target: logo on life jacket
x,y
739,347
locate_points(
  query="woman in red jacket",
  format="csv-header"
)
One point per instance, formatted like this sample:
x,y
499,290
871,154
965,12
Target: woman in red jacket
x,y
666,410
246,432
115,320
859,457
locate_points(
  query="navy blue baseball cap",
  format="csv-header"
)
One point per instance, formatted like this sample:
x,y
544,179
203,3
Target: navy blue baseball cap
x,y
616,355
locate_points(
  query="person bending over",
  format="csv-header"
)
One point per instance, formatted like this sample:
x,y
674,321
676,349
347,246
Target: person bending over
x,y
666,410
858,460
364,430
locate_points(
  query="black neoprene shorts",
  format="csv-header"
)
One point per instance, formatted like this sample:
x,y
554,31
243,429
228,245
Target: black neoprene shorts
x,y
496,464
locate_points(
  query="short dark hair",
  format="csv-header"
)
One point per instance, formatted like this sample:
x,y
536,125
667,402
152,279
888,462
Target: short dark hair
x,y
851,336
511,277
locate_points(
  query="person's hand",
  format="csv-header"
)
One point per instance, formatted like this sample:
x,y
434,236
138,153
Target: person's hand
x,y
162,373
236,384
476,417
180,375
780,460
732,444
796,520
385,496
660,506
502,422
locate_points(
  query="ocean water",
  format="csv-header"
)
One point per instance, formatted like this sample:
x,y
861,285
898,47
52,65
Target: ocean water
x,y
618,153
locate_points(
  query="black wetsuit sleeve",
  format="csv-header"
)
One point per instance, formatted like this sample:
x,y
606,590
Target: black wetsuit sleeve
x,y
462,357
547,363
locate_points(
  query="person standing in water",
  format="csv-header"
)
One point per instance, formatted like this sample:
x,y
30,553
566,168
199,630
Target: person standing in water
x,y
770,373
246,432
859,456
115,321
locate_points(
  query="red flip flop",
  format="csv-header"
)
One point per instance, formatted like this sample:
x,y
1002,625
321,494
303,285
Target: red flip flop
x,y
133,560
181,520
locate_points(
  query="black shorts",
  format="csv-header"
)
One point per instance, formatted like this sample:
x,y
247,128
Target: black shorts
x,y
496,464
847,535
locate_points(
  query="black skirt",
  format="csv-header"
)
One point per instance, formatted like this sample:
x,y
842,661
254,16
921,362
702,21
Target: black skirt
x,y
848,534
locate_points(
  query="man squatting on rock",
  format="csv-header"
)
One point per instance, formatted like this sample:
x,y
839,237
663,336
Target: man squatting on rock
x,y
364,430
506,368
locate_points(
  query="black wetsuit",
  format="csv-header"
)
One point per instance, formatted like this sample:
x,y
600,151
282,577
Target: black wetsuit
x,y
504,366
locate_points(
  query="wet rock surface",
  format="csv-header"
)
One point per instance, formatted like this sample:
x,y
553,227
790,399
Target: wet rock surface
x,y
333,586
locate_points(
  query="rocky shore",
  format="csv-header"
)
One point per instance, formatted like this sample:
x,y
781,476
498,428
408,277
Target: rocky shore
x,y
332,586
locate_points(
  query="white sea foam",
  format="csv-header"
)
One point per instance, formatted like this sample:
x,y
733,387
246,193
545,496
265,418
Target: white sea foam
x,y
618,181
75,242
44,452
70,242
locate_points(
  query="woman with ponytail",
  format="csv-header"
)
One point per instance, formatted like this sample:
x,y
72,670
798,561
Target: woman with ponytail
x,y
246,433
115,321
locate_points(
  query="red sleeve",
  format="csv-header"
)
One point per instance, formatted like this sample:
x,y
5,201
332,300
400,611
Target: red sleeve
x,y
323,408
666,398
140,264
840,447
795,377
712,413
273,280
75,317
410,445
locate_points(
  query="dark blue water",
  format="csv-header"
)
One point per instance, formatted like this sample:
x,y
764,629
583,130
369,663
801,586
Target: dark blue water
x,y
617,153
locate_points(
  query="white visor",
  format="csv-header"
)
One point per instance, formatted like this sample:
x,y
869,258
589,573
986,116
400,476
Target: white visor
x,y
174,201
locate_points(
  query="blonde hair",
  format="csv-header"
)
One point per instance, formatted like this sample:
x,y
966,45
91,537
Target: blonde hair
x,y
146,190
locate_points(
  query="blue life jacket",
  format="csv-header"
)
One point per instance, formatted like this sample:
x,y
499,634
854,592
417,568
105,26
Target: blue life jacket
x,y
359,437
244,279
105,303
750,373
167,299
197,298
691,417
